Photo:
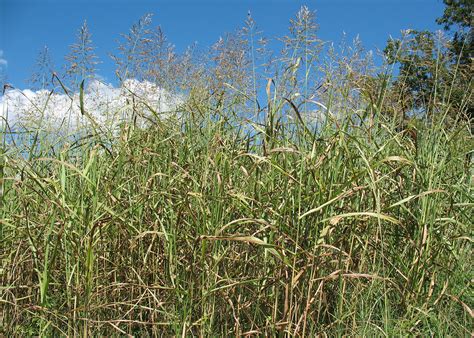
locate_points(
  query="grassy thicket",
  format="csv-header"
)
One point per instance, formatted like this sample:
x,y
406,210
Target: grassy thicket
x,y
211,223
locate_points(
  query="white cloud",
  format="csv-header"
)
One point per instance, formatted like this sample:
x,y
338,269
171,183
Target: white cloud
x,y
3,62
108,106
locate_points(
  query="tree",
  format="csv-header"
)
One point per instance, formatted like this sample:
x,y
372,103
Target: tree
x,y
415,53
433,70
458,17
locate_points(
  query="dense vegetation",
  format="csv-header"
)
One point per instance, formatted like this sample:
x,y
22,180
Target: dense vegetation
x,y
308,193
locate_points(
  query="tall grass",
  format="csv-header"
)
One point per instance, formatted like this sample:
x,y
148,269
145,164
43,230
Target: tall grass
x,y
207,222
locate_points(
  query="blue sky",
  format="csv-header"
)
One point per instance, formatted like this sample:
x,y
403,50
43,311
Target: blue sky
x,y
27,25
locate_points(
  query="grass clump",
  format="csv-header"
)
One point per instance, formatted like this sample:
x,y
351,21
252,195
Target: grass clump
x,y
234,217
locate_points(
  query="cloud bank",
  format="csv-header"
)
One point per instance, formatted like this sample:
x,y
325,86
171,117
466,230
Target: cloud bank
x,y
107,105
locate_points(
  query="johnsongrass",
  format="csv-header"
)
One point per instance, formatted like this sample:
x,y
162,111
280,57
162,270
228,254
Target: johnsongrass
x,y
193,227
342,220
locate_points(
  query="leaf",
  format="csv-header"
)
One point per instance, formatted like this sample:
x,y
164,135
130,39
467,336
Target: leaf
x,y
246,239
397,159
297,112
359,214
409,198
81,97
338,197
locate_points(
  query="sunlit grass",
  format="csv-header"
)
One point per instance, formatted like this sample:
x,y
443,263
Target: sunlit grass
x,y
207,222
194,228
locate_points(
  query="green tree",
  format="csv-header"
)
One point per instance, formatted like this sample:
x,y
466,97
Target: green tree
x,y
433,70
415,55
458,18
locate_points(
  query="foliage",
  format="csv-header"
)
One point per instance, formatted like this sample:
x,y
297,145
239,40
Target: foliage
x,y
435,70
459,14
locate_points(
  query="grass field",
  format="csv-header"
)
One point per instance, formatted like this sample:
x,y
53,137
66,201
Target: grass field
x,y
212,221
